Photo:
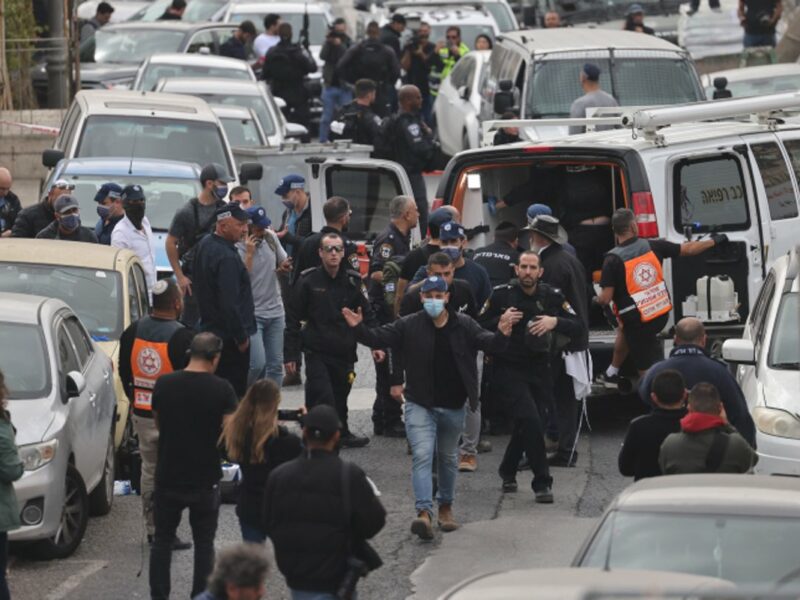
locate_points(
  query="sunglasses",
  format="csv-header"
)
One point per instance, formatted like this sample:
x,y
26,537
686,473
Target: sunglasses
x,y
331,249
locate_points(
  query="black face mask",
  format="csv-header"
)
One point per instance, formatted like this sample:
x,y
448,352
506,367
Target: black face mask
x,y
135,214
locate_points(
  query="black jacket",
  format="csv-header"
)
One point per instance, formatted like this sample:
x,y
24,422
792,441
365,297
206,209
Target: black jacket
x,y
307,255
318,300
332,54
389,37
406,139
370,60
359,123
302,232
81,234
305,519
33,219
565,272
221,286
414,336
498,258
9,211
285,68
638,457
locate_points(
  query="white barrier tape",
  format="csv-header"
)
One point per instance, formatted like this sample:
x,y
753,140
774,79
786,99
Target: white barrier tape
x,y
40,128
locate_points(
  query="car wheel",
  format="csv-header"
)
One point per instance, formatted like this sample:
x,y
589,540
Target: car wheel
x,y
102,497
74,517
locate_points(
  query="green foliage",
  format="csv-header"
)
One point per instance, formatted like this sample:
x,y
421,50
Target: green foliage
x,y
21,34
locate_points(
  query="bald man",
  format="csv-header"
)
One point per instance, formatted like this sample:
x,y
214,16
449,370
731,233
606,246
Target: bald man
x,y
690,359
10,205
552,20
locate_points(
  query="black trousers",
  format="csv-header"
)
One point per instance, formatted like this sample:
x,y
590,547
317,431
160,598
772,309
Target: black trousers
x,y
566,408
421,198
169,505
591,242
234,366
191,312
4,593
328,381
386,411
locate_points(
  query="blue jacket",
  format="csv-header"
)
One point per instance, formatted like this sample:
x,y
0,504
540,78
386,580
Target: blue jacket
x,y
697,367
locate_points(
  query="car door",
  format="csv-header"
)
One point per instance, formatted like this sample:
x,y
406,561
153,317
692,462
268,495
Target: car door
x,y
136,310
747,375
452,109
202,42
782,195
141,288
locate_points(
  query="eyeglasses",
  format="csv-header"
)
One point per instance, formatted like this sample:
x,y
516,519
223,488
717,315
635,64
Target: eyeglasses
x,y
331,249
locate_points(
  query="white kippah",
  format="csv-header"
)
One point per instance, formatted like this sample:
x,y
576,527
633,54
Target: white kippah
x,y
159,287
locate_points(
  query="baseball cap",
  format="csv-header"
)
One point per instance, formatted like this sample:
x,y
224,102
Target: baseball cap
x,y
440,216
258,216
399,18
215,172
536,210
290,182
635,9
451,231
591,71
62,184
108,190
64,203
434,283
132,192
232,210
322,422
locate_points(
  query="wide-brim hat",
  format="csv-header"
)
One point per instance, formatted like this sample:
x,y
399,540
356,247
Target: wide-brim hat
x,y
550,228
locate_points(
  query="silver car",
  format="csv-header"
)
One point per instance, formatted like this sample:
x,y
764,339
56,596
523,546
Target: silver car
x,y
62,403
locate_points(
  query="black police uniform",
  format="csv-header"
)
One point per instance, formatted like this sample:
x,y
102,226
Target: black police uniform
x,y
356,122
387,413
308,253
326,341
285,68
521,375
498,258
221,284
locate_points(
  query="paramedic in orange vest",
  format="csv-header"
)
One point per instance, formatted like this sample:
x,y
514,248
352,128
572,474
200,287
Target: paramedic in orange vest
x,y
151,347
633,280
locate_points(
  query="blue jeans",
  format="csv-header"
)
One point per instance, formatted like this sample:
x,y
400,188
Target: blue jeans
x,y
429,430
252,534
754,40
333,98
266,350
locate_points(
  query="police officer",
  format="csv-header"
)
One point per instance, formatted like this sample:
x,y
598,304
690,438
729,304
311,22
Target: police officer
x,y
499,257
224,294
521,374
336,211
109,209
356,120
327,343
285,68
406,139
391,246
149,348
633,280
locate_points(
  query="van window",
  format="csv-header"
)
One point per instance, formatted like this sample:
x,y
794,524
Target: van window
x,y
710,194
793,149
777,182
369,192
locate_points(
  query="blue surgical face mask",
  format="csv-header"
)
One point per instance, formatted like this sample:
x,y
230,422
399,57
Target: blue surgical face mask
x,y
433,306
71,222
221,191
453,252
103,212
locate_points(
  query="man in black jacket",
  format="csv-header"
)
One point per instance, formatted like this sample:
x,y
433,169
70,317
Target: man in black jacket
x,y
356,120
319,511
638,457
31,220
391,32
336,211
461,299
67,225
439,350
500,257
327,344
285,68
10,205
335,93
236,46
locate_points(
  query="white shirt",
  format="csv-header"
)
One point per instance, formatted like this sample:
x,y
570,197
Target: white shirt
x,y
264,42
142,243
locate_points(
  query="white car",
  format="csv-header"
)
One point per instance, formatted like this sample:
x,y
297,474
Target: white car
x,y
458,104
62,403
178,65
241,125
471,21
768,367
756,81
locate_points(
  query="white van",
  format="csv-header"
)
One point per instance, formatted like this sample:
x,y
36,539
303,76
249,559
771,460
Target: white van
x,y
684,179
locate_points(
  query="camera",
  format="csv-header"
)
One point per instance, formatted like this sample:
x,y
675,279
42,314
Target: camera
x,y
285,414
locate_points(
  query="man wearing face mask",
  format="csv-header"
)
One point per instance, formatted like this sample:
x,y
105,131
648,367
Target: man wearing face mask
x,y
193,221
522,372
110,211
224,294
134,232
296,219
32,219
67,225
439,349
461,300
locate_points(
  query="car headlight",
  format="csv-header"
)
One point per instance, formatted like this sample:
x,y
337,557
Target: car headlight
x,y
35,456
773,421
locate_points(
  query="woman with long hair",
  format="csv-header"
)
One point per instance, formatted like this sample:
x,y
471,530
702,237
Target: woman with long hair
x,y
11,469
257,443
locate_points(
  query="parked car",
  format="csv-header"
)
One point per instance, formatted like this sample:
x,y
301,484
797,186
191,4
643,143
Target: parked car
x,y
197,11
174,66
241,125
459,103
62,404
133,125
700,525
768,367
123,9
471,21
499,9
755,81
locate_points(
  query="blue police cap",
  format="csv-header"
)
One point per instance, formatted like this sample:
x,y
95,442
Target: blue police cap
x,y
290,182
451,231
537,210
591,71
132,192
434,283
232,210
258,216
108,190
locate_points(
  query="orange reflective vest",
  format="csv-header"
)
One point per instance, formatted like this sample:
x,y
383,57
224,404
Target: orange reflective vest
x,y
644,280
149,361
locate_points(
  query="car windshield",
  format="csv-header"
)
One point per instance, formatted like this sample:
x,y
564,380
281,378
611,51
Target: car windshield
x,y
317,24
242,132
555,84
761,87
128,45
257,103
155,72
148,137
196,10
94,294
709,545
164,194
468,33
784,352
23,360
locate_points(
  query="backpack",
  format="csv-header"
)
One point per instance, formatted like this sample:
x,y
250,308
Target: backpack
x,y
280,65
371,63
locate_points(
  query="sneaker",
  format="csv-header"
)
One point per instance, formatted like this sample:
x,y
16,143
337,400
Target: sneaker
x,y
484,446
177,543
467,463
509,486
446,520
563,459
294,379
395,430
608,382
422,526
524,464
544,495
350,440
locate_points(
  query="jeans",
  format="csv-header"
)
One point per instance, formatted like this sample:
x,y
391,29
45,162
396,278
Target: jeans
x,y
472,431
754,40
429,430
147,432
203,508
251,533
4,593
266,350
333,98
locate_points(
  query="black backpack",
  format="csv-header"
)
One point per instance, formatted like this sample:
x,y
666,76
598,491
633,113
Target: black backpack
x,y
282,66
371,63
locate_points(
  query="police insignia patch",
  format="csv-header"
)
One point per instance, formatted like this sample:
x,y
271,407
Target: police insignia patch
x,y
385,250
413,129
354,261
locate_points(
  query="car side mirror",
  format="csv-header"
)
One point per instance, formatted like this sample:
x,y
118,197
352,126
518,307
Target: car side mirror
x,y
739,352
51,156
75,385
296,131
464,93
250,172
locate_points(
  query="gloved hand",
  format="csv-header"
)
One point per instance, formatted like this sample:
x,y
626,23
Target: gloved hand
x,y
719,238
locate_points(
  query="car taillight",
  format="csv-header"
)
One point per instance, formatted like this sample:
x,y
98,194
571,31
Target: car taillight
x,y
536,149
645,211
